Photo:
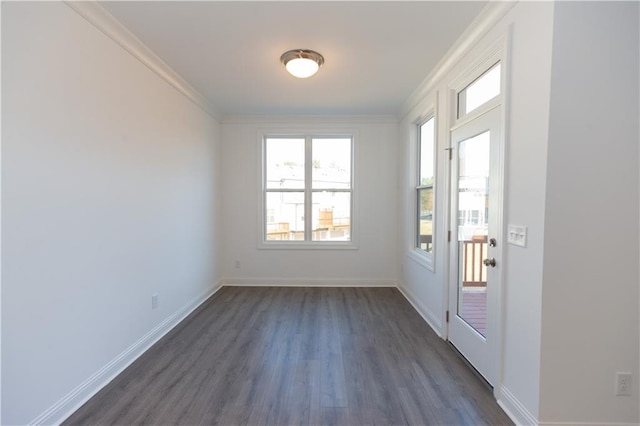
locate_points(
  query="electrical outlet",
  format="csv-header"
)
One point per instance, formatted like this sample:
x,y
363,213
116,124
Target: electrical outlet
x,y
237,264
623,384
154,300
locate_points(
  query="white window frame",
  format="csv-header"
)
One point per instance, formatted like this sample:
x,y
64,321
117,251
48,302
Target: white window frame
x,y
461,101
418,187
308,191
468,78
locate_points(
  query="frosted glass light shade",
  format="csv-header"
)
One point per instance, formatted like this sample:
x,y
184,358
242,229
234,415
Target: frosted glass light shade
x,y
302,63
302,67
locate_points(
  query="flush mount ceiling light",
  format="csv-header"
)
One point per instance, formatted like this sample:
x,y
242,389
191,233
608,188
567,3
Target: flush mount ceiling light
x,y
302,63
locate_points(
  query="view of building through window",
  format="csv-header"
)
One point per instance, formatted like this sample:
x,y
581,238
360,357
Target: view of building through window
x,y
473,186
308,188
473,189
474,159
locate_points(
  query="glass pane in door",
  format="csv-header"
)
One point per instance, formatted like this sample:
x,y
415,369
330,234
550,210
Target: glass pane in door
x,y
473,226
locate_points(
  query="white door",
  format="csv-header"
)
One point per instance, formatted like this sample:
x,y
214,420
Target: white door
x,y
476,239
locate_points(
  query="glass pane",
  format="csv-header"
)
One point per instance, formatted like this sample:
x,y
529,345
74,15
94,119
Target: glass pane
x,y
473,225
284,159
284,216
482,90
425,219
331,163
427,140
331,216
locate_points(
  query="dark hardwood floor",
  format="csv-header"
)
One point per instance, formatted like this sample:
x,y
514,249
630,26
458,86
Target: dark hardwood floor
x,y
303,356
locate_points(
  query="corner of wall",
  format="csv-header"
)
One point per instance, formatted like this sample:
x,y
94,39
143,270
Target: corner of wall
x,y
575,360
430,318
98,16
118,206
514,408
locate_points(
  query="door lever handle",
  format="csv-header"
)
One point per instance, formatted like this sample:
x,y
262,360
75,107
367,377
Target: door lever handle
x,y
490,262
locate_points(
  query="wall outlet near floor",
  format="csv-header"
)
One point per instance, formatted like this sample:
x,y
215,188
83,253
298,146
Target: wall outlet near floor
x,y
623,384
154,300
237,264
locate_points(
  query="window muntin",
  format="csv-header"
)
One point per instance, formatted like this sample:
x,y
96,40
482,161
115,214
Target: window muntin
x,y
480,91
308,189
425,185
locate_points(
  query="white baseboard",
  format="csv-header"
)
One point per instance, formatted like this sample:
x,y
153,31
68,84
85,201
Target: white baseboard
x,y
434,322
307,282
514,408
66,406
586,424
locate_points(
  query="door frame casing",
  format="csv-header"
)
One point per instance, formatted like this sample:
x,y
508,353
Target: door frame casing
x,y
498,51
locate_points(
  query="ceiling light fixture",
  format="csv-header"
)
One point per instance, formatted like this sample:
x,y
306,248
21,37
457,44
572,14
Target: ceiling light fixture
x,y
302,63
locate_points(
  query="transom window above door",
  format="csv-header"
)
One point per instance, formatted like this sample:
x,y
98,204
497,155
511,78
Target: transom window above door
x,y
480,91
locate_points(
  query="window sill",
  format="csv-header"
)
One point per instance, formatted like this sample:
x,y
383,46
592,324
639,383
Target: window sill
x,y
302,245
422,258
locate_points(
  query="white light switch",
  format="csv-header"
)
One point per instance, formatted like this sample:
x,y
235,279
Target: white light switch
x,y
517,235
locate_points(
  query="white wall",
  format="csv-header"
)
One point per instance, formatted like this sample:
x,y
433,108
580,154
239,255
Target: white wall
x,y
422,277
375,183
571,296
590,293
526,150
529,67
110,189
109,194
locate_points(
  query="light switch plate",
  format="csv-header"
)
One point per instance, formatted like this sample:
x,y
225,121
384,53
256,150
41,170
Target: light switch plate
x,y
517,235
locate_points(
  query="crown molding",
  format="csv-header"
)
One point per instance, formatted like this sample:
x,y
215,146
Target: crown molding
x,y
99,17
480,26
309,119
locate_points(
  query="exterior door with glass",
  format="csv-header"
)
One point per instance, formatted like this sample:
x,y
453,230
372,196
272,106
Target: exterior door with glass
x,y
476,220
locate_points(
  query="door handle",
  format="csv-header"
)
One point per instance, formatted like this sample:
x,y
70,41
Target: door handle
x,y
490,262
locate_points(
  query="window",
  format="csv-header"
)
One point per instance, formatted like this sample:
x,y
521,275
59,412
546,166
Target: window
x,y
308,189
424,188
480,91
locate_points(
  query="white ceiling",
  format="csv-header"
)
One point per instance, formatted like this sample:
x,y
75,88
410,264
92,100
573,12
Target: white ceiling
x,y
376,53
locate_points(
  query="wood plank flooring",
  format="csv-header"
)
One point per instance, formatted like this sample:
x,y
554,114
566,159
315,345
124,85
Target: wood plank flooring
x,y
297,356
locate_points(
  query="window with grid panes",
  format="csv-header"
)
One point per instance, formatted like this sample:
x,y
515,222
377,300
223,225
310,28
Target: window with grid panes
x,y
308,191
